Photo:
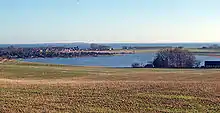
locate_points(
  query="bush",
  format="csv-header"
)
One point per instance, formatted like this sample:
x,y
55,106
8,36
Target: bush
x,y
136,65
174,58
149,66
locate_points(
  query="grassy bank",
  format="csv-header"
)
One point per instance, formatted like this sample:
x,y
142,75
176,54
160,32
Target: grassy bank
x,y
26,87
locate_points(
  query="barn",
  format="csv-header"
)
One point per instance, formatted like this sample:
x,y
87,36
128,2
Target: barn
x,y
212,64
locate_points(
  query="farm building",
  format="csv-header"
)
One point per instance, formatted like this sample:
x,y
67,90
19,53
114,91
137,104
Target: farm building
x,y
212,64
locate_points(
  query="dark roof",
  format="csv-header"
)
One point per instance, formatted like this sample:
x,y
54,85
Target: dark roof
x,y
212,62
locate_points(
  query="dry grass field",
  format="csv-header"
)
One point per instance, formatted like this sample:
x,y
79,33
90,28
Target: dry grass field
x,y
31,87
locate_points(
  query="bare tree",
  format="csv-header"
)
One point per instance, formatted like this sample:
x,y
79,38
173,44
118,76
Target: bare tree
x,y
174,58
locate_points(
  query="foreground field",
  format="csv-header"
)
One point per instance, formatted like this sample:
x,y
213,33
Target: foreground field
x,y
26,87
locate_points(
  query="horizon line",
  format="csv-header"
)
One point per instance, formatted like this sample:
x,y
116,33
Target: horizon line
x,y
109,43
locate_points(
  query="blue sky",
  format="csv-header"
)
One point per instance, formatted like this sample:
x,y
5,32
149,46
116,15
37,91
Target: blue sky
x,y
139,21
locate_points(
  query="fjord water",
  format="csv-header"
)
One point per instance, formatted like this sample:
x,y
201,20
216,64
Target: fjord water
x,y
109,61
106,61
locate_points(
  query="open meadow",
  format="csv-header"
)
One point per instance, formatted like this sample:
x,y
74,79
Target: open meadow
x,y
32,87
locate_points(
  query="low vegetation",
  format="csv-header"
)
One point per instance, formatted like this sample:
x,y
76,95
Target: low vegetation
x,y
26,87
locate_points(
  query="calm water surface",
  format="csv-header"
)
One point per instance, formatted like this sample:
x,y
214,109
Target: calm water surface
x,y
108,61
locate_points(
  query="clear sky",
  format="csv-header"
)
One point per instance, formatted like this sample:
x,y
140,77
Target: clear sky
x,y
139,21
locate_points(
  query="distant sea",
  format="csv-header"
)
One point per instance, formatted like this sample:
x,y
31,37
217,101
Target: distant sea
x,y
114,45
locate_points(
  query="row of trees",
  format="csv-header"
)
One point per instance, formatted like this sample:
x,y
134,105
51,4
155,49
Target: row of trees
x,y
173,58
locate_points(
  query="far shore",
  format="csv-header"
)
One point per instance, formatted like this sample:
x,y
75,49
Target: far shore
x,y
67,53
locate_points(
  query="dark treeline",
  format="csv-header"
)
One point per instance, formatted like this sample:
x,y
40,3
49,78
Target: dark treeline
x,y
47,52
214,46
